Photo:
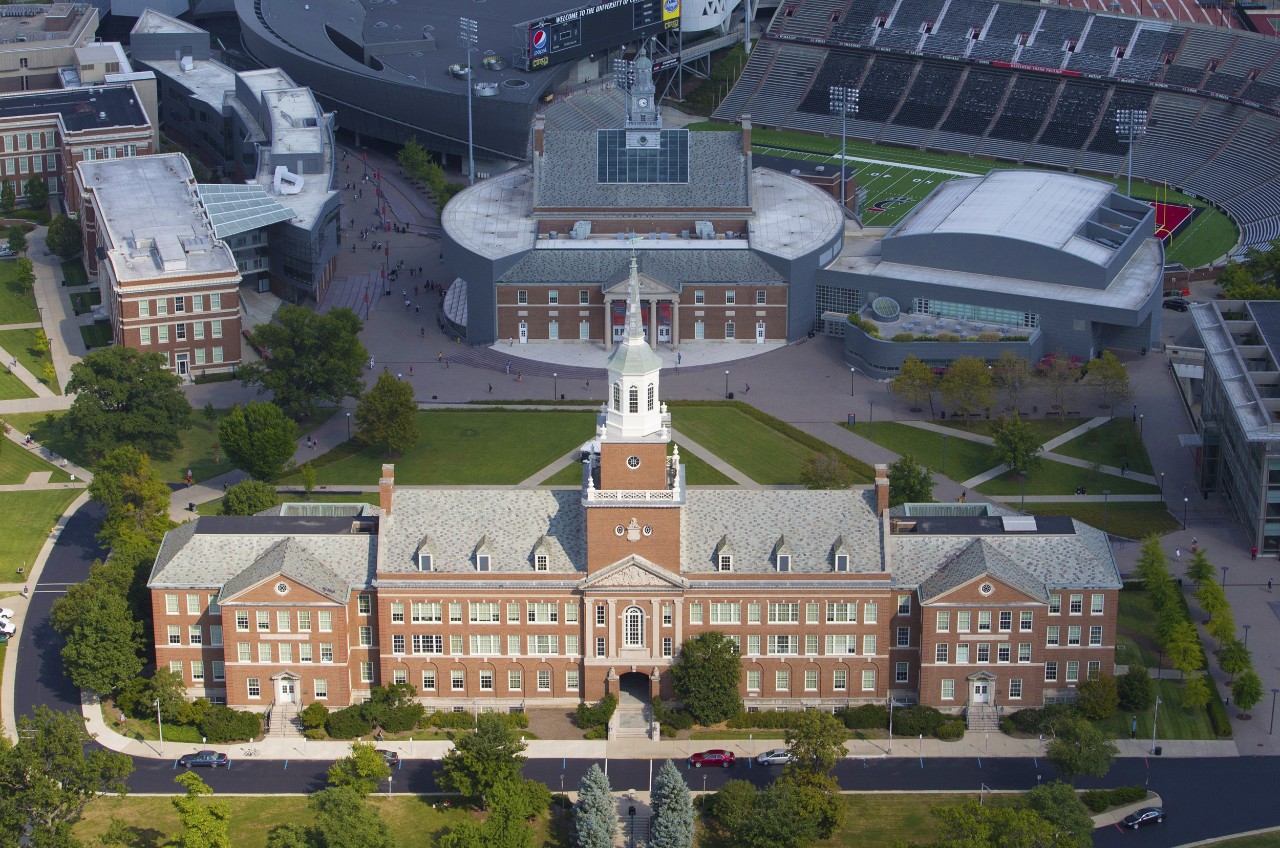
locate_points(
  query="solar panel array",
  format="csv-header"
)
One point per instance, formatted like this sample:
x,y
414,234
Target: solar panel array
x,y
235,209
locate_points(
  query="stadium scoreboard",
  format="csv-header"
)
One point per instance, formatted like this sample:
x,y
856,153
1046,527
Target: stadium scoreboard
x,y
590,29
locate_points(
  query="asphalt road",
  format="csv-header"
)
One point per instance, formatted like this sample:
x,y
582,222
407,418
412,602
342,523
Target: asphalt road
x,y
1206,798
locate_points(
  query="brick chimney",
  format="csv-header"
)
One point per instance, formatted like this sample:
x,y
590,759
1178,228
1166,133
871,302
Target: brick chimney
x,y
387,488
882,489
746,134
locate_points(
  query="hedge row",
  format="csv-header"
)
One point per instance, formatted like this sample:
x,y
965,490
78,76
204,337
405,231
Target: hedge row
x,y
591,716
907,721
1098,800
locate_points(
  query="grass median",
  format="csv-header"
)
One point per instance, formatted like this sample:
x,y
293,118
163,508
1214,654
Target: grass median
x,y
32,515
964,458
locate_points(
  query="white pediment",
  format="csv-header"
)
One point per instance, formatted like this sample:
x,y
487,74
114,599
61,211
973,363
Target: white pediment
x,y
634,571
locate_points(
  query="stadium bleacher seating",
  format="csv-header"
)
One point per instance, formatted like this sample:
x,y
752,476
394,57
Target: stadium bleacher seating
x,y
839,69
977,102
913,14
1011,20
1057,27
929,95
1025,108
883,87
1074,115
964,15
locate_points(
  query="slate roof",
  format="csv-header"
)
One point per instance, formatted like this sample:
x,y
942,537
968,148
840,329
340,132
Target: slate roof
x,y
980,558
677,268
289,558
718,175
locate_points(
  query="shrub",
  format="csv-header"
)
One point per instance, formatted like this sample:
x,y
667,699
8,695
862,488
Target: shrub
x,y
904,337
314,716
670,718
865,717
1137,692
772,720
1098,697
917,721
1007,726
452,721
1039,721
667,731
348,723
595,715
950,730
393,708
599,731
1098,800
223,724
948,337
988,337
519,721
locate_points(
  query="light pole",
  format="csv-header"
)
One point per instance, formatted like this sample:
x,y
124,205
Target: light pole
x,y
844,100
1162,484
160,724
1023,505
1141,422
1130,124
555,385
1106,493
1154,722
726,382
468,35
1186,504
891,706
348,426
1224,576
1273,711
1246,634
944,454
853,378
871,419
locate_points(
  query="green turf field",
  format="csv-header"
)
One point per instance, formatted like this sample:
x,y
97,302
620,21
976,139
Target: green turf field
x,y
914,173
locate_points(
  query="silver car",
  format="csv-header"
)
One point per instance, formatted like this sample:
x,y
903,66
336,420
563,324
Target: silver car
x,y
774,757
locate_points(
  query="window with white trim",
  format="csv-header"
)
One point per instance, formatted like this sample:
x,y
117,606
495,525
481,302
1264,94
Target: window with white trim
x,y
1050,672
901,672
840,680
904,605
1015,688
942,652
943,622
842,613
1096,604
724,613
1025,621
868,680
1095,635
633,627
782,680
753,680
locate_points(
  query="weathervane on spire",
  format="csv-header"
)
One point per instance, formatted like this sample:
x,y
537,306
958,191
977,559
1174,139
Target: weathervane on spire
x,y
635,327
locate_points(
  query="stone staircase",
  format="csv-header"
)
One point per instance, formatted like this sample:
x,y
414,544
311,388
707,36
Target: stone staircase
x,y
282,721
632,722
982,718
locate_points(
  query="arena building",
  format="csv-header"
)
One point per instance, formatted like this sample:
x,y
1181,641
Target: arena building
x,y
503,599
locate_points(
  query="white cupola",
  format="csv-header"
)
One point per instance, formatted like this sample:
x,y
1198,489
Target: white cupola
x,y
634,411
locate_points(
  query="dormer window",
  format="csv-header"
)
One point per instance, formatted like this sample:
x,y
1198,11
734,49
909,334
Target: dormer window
x,y
784,562
724,562
425,554
842,562
540,562
424,561
482,562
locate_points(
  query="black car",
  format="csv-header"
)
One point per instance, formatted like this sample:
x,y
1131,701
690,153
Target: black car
x,y
391,758
1177,304
1145,816
210,759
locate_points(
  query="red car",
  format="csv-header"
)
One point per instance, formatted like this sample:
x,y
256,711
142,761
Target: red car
x,y
716,757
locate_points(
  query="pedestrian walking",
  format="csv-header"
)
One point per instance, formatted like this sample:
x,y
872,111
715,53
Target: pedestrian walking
x,y
1268,584
371,363
519,377
410,372
1195,545
1177,554
417,308
188,478
439,355
1253,552
1133,728
415,285
422,331
400,377
508,366
746,388
511,341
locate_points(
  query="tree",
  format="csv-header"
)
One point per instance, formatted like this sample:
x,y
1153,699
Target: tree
x,y
1135,689
17,240
966,385
259,439
126,397
705,675
63,237
249,497
777,819
204,821
1234,659
1222,626
25,278
1199,569
104,642
1069,821
1247,690
1196,692
308,478
1098,697
388,415
1213,599
309,357
8,198
1011,374
413,158
1109,376
916,382
1060,373
973,825
594,819
1183,647
288,836
816,741
362,770
344,819
1080,749
36,192
135,498
673,806
1017,446
48,777
1153,568
909,482
730,807
825,471
482,759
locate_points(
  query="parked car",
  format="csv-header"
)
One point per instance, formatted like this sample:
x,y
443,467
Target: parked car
x,y
7,627
774,757
1177,304
715,757
209,759
1143,817
391,758
5,612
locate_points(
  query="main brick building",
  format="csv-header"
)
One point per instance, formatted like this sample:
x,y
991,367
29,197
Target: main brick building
x,y
502,598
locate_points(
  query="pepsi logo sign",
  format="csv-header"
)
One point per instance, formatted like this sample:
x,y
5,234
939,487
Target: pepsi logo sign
x,y
539,39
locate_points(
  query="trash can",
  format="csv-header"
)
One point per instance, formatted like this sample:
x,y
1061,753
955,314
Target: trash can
x,y
730,395
1159,750
853,419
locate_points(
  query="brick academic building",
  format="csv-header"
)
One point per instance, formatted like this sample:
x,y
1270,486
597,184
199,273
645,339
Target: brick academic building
x,y
502,598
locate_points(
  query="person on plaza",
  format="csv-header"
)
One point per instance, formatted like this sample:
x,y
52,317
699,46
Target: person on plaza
x,y
422,331
371,363
491,388
188,478
1195,544
746,390
1253,552
519,377
1177,554
1133,728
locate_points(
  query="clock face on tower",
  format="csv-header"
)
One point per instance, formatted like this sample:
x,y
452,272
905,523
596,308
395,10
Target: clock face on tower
x,y
643,102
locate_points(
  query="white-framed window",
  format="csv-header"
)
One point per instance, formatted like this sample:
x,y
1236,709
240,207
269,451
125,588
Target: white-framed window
x,y
1024,652
1093,669
782,680
1073,671
544,680
326,652
730,297
602,612
942,652
321,687
1003,651
842,562
962,653
1095,635
1073,635
217,354
840,680
215,301
162,333
243,651
1077,605
429,680
175,634
668,647
544,644
811,644
522,296
486,680
760,297
753,612
515,680
264,652
601,649
1050,672
1052,635
723,613
1025,621
571,679
193,604
942,624
1096,604
784,613
325,620
397,612
144,335
264,621
283,621
904,637
1006,621
364,604
485,612
842,613
176,667
963,622
984,652
219,670
811,680
254,687
553,296
948,689
457,680
455,644
842,644
366,672
543,613
730,332
870,613
194,635
215,635
584,296
286,652
901,672
633,627
304,652
868,680
783,644
1015,688
426,613
1055,605
215,330
667,615
144,309
753,645
699,296
753,680
984,621
571,613
868,644
811,611
904,605
171,604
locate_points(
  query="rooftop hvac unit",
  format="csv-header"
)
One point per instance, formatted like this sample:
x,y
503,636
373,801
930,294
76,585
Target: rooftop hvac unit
x,y
553,235
485,89
581,230
704,229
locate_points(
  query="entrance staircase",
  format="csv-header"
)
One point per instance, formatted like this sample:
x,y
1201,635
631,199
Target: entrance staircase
x,y
982,718
282,720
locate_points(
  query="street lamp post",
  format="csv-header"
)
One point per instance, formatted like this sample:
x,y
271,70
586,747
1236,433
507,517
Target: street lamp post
x,y
1246,634
853,379
1154,722
1186,504
871,419
1023,505
468,35
1130,124
726,382
891,706
1274,692
1162,484
944,455
1224,575
348,426
160,724
1141,422
1106,493
844,100
555,385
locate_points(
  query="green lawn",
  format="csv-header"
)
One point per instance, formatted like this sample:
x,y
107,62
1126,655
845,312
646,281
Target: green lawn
x,y
883,819
16,462
82,302
31,517
965,458
755,449
697,473
73,273
11,388
412,819
570,475
1258,840
1042,428
196,452
494,447
22,344
1057,478
1114,443
97,334
16,306
1130,520
215,507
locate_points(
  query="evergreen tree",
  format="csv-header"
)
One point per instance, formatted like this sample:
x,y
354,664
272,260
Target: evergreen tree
x,y
594,819
674,807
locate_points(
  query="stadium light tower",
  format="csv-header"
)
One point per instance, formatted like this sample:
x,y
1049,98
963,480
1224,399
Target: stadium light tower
x,y
468,35
1130,124
844,101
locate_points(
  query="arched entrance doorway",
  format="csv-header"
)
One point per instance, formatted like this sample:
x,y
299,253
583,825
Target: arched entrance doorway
x,y
633,690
